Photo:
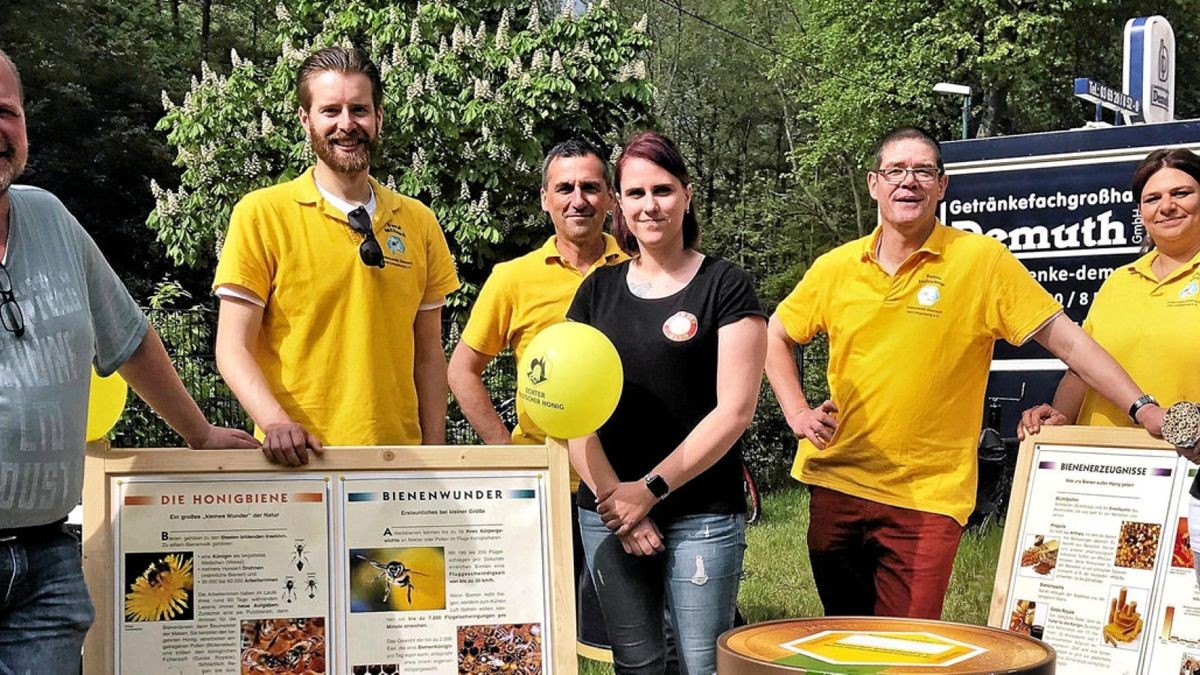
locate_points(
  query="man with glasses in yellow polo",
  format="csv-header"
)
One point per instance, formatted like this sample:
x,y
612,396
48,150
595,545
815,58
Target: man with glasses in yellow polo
x,y
911,312
332,285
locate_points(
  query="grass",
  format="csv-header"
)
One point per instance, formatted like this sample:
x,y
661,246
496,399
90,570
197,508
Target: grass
x,y
778,582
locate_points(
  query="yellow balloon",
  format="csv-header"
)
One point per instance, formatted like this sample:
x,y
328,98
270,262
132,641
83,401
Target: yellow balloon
x,y
569,379
105,403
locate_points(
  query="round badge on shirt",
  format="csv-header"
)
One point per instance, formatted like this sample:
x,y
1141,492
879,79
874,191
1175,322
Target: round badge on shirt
x,y
680,327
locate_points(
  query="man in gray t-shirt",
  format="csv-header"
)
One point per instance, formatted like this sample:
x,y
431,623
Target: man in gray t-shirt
x,y
62,309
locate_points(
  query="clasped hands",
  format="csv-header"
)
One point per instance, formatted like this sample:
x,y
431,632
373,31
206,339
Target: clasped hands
x,y
623,508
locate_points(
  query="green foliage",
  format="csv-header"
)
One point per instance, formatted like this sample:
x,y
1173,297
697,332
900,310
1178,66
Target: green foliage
x,y
871,66
93,71
168,293
474,97
713,97
91,140
853,70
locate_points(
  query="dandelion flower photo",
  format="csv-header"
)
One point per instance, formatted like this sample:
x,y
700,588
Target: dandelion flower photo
x,y
163,592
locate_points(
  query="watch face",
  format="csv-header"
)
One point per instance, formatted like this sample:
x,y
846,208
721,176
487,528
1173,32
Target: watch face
x,y
658,486
1139,404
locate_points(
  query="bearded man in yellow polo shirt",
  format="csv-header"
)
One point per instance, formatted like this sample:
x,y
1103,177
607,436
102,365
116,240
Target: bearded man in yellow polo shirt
x,y
526,295
911,311
332,285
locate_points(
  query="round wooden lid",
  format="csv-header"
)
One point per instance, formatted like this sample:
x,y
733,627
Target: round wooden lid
x,y
878,646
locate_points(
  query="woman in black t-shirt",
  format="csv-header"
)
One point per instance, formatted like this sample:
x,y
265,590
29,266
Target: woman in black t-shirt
x,y
661,507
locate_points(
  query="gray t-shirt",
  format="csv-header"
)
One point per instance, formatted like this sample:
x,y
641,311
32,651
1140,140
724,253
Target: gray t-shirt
x,y
77,312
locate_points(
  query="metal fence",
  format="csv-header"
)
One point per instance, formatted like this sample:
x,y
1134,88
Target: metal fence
x,y
190,338
768,445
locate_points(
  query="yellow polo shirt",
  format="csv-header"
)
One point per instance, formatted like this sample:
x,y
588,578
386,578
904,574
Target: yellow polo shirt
x,y
1152,328
336,344
908,363
521,298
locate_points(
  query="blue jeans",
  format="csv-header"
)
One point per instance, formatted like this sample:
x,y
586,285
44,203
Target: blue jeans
x,y
45,610
696,578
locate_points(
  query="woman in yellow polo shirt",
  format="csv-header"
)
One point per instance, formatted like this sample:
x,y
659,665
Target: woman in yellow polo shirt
x,y
1147,314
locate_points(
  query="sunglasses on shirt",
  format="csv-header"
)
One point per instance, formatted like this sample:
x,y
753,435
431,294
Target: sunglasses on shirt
x,y
369,250
10,312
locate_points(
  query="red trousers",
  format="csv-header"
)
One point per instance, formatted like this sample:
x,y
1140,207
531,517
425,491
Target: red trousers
x,y
871,559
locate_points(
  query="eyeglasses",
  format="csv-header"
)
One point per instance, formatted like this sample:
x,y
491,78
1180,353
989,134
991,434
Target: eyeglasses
x,y
369,250
10,312
896,175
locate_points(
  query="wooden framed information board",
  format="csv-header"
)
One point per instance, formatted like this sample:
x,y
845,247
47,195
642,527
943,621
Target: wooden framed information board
x,y
1094,559
367,560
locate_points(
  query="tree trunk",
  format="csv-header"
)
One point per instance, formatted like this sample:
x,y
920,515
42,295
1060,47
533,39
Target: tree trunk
x,y
175,15
254,32
995,108
205,27
852,177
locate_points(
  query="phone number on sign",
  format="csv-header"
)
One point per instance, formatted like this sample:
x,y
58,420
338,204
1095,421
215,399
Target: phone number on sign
x,y
1074,298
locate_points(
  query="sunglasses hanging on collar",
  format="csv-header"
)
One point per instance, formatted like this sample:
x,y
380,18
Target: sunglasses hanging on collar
x,y
10,312
369,250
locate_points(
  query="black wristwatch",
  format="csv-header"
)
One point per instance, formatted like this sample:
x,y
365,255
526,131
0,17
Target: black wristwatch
x,y
1139,404
658,487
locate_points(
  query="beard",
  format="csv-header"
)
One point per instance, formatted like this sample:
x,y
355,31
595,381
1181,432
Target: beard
x,y
10,169
339,161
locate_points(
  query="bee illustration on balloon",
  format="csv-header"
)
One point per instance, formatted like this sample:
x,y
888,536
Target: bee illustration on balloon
x,y
537,371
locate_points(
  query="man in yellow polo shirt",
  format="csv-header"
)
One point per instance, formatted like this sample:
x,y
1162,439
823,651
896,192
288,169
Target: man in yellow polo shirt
x,y
332,285
526,295
912,312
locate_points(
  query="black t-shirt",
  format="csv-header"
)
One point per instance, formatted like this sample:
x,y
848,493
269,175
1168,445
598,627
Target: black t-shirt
x,y
668,349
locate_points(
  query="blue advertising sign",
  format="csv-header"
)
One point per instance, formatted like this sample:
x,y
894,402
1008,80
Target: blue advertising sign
x,y
1062,203
1108,97
1149,69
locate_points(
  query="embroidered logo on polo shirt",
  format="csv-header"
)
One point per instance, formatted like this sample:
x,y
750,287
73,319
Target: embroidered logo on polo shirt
x,y
928,295
1189,295
681,327
395,246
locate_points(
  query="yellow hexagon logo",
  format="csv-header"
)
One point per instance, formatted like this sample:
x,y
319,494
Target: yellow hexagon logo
x,y
883,648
